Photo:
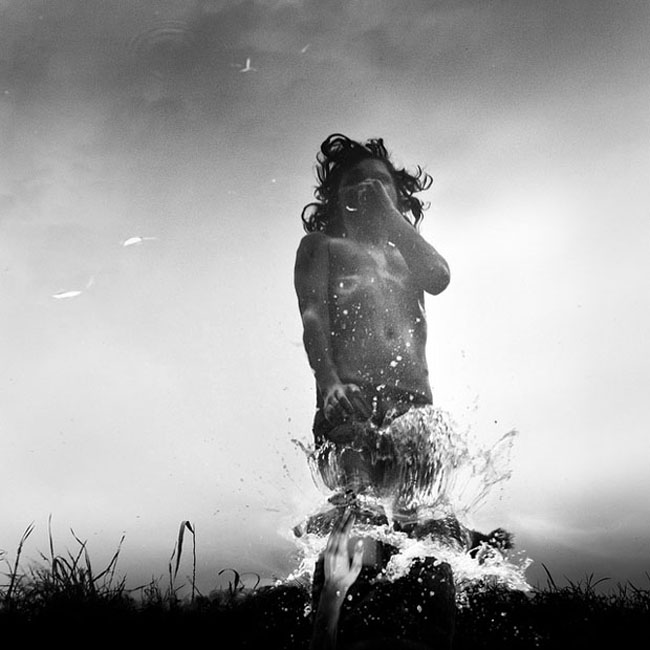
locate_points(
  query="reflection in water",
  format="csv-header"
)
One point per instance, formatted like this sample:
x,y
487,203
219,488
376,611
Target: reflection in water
x,y
416,482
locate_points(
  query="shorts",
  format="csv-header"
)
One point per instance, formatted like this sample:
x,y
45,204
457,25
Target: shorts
x,y
387,404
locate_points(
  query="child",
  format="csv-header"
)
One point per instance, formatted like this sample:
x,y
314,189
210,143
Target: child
x,y
360,275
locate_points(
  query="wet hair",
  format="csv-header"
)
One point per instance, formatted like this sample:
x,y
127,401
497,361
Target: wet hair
x,y
338,153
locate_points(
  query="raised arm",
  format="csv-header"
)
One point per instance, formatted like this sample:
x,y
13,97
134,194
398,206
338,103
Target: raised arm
x,y
428,267
341,570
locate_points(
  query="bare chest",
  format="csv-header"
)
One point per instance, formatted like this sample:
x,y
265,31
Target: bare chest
x,y
355,268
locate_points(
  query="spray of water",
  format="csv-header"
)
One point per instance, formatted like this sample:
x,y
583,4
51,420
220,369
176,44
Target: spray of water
x,y
421,473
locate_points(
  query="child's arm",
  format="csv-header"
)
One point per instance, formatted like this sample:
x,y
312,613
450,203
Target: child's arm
x,y
428,267
311,279
326,621
311,282
341,570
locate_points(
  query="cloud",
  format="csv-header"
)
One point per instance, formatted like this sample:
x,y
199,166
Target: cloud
x,y
175,48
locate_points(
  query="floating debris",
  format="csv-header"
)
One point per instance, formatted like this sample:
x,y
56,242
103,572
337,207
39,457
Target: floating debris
x,y
132,241
246,67
62,295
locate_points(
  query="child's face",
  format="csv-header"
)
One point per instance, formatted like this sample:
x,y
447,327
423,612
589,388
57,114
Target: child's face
x,y
365,170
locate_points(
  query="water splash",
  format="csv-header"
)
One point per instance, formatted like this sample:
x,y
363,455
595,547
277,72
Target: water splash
x,y
484,568
421,462
413,484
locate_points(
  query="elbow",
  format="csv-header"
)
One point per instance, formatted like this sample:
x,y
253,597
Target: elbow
x,y
311,319
313,327
439,280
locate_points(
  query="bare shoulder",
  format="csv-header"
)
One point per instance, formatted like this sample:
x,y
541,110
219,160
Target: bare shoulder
x,y
312,266
312,245
313,241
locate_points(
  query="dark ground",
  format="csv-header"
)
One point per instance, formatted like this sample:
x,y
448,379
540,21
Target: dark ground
x,y
275,617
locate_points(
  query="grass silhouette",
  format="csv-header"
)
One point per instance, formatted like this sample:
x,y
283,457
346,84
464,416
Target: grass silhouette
x,y
65,597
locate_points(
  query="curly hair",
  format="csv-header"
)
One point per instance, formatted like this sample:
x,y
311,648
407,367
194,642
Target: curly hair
x,y
338,153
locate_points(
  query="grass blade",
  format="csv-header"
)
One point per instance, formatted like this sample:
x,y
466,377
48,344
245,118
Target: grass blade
x,y
13,578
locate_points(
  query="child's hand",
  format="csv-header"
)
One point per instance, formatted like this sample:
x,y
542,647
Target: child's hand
x,y
341,401
340,570
371,197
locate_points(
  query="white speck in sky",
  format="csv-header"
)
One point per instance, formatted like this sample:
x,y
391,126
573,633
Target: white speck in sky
x,y
62,295
131,241
247,67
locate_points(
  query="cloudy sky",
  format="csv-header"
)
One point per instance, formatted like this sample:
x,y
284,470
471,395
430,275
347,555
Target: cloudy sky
x,y
164,380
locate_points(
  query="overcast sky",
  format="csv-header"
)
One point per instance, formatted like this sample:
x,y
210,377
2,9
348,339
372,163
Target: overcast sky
x,y
170,384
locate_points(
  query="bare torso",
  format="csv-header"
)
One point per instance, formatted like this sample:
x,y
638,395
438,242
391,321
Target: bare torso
x,y
360,284
378,325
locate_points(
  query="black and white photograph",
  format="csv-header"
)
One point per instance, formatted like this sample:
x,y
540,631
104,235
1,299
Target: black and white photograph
x,y
325,324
